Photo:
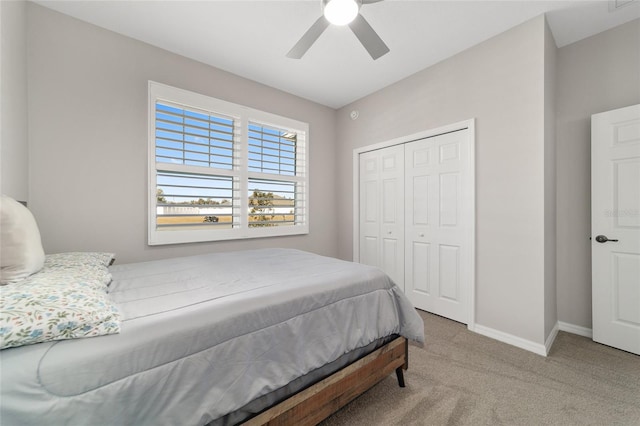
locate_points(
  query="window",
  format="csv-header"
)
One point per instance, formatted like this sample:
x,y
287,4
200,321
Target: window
x,y
220,171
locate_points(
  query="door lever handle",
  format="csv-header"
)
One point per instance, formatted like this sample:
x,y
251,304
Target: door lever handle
x,y
603,239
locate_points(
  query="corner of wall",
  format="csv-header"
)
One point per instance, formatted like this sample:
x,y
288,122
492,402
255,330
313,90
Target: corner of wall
x,y
550,183
551,338
519,342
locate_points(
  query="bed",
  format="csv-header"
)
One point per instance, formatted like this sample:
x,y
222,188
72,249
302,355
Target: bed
x,y
271,336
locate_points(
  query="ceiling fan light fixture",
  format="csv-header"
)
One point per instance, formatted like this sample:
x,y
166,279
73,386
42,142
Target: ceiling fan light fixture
x,y
367,36
341,12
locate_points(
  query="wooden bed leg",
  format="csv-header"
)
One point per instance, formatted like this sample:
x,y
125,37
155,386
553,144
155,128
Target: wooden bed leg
x,y
400,376
405,366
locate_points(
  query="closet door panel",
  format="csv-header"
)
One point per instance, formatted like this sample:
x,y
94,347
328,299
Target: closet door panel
x,y
449,199
449,273
438,279
369,210
382,211
420,267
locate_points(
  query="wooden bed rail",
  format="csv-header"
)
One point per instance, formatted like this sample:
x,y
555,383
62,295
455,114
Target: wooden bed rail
x,y
319,401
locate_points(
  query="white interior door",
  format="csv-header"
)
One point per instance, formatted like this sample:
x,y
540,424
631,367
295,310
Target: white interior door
x,y
615,227
381,211
438,222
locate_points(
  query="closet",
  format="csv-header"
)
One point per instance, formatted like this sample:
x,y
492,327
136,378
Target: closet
x,y
415,217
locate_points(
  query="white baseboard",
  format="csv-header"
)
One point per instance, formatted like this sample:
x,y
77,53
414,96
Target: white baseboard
x,y
528,345
575,329
516,341
552,337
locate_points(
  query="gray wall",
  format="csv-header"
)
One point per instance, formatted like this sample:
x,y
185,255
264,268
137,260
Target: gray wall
x,y
87,109
501,83
13,86
597,74
550,285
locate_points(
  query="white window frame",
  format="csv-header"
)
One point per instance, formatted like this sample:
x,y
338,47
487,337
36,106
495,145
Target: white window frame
x,y
243,116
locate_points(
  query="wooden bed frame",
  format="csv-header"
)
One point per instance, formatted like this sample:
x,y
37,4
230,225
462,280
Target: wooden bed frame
x,y
319,401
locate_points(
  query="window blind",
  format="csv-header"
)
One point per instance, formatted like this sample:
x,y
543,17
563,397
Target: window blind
x,y
272,150
223,171
194,200
193,138
275,200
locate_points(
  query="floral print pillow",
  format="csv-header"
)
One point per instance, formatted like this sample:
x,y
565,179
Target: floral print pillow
x,y
73,259
62,301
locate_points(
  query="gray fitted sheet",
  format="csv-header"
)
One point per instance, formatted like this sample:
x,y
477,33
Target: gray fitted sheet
x,y
203,336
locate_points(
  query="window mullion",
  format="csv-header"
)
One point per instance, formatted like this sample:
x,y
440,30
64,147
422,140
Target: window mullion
x,y
196,170
272,176
243,172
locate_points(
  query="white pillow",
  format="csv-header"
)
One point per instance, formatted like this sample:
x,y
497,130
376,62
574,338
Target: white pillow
x,y
21,252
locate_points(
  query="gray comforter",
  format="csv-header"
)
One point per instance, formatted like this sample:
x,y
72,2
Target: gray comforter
x,y
202,336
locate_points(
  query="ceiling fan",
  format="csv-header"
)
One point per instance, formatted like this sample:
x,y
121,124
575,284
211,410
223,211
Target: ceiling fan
x,y
342,12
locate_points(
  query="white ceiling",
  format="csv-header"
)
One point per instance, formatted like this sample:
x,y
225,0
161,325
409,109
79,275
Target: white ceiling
x,y
251,38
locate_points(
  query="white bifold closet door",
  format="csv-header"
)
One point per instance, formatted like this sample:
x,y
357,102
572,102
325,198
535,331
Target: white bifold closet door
x,y
382,211
416,220
438,228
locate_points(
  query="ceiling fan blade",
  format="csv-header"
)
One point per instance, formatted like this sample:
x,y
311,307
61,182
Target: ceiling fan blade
x,y
368,37
308,38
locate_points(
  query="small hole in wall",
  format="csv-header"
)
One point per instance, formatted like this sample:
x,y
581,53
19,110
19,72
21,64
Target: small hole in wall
x,y
354,114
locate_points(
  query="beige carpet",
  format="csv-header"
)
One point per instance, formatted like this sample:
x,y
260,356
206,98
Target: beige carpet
x,y
463,378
